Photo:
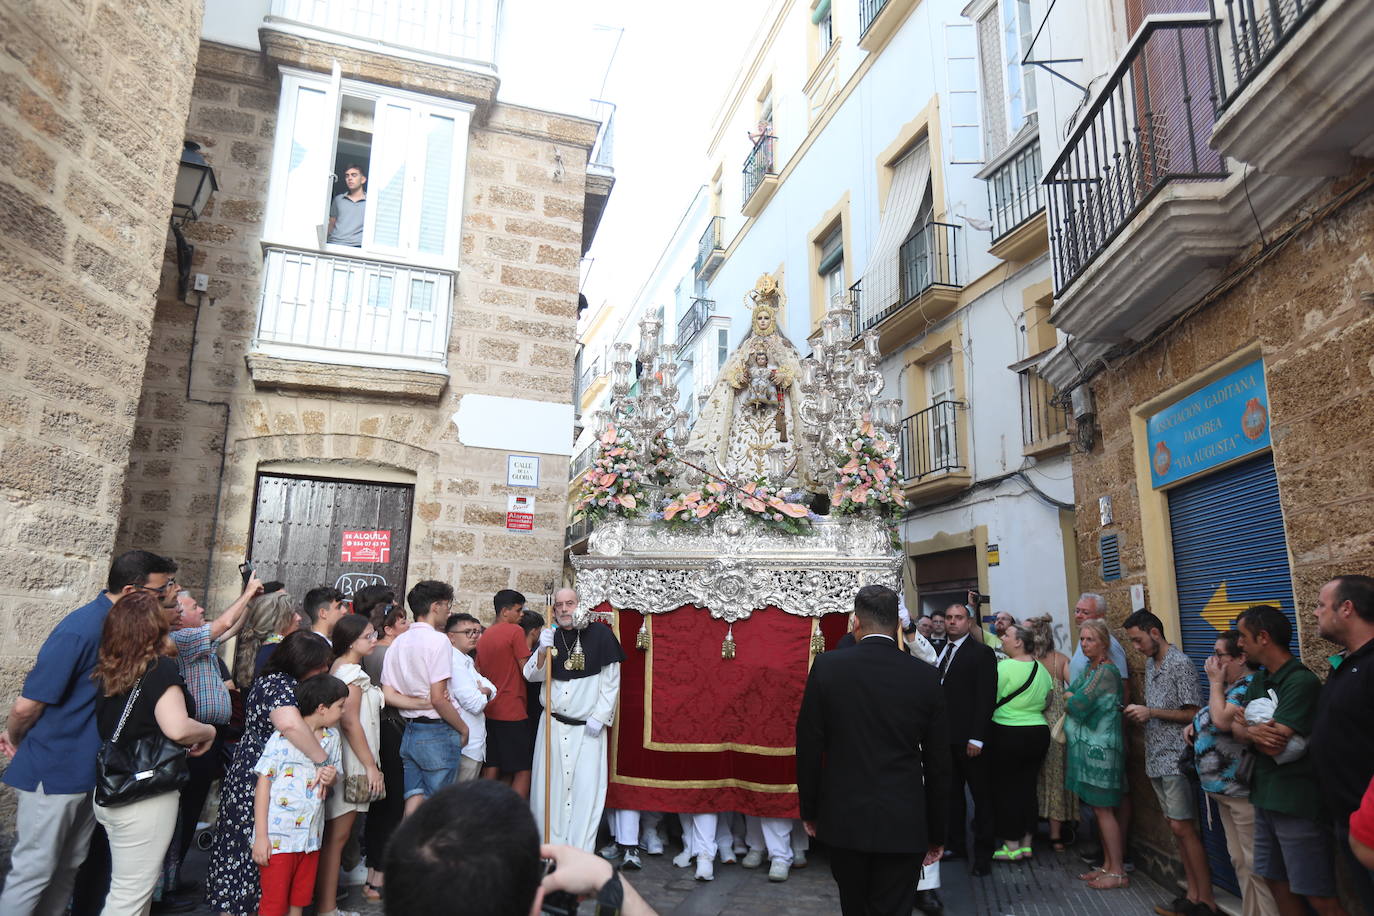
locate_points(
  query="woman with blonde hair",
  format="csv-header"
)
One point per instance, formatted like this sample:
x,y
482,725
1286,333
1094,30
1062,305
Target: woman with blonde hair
x,y
1055,803
1096,759
271,618
142,696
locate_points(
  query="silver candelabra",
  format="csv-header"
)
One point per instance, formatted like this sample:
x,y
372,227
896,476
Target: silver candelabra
x,y
840,384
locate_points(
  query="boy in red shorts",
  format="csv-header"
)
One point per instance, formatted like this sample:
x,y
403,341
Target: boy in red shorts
x,y
288,808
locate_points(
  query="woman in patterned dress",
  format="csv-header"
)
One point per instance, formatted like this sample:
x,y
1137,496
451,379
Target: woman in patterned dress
x,y
1096,757
1056,803
231,884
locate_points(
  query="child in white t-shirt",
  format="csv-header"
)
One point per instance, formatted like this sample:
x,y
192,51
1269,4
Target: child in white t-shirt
x,y
288,807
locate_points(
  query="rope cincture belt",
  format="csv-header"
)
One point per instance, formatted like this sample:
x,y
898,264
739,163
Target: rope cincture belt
x,y
567,720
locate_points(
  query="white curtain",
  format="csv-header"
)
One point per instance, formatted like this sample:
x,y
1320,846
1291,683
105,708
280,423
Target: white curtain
x,y
881,286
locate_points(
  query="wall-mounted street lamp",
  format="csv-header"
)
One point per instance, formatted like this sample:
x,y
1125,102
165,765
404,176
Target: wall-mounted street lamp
x,y
195,183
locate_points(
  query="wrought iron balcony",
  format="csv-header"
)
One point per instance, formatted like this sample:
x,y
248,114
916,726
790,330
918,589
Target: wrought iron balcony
x,y
711,249
465,30
930,441
353,311
589,375
1148,126
868,11
928,260
1044,424
582,461
1258,30
759,166
1015,193
691,323
578,532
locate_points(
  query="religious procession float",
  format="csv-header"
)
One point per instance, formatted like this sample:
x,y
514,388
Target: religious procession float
x,y
726,556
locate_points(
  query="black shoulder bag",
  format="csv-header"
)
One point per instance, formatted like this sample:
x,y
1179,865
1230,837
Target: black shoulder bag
x,y
132,771
1035,669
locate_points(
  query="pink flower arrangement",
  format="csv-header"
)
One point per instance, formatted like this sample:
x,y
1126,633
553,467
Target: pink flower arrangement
x,y
867,476
614,484
780,509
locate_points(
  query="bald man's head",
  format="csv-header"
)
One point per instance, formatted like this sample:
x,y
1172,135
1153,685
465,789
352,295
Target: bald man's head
x,y
564,606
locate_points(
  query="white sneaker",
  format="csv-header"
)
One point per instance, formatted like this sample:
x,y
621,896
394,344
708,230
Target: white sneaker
x,y
631,860
727,857
740,848
798,858
705,869
777,870
355,877
609,851
683,859
653,843
753,858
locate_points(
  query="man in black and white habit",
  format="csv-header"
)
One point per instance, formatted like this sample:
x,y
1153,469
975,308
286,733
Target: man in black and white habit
x,y
586,686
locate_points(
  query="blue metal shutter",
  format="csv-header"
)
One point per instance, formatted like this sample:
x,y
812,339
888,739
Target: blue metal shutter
x,y
1229,553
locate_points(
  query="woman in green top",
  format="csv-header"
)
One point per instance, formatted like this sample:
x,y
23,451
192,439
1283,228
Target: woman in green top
x,y
1093,733
1018,741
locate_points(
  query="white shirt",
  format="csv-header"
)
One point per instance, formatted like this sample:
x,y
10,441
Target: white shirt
x,y
465,689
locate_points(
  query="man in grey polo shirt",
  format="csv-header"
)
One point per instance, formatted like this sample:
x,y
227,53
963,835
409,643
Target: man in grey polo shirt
x,y
347,210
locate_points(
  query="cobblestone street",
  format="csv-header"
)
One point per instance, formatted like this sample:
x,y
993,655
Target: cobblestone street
x,y
1046,886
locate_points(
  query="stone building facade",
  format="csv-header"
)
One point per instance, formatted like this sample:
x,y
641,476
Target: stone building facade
x,y
216,410
93,100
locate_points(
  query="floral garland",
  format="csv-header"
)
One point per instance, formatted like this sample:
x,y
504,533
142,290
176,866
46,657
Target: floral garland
x,y
781,509
867,476
614,484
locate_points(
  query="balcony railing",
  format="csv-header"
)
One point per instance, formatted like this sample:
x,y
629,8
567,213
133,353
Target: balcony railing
x,y
927,260
578,531
1042,420
691,323
461,29
582,461
1258,30
759,165
1149,126
347,310
1015,193
930,441
868,11
711,248
588,376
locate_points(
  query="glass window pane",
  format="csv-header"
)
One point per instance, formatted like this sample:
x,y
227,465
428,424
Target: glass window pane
x,y
379,291
436,183
388,182
308,166
421,295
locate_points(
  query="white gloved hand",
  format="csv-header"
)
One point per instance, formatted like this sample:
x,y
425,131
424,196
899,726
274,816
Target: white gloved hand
x,y
902,613
593,727
546,637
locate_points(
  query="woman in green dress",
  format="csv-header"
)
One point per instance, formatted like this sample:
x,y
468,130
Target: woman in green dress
x,y
1093,729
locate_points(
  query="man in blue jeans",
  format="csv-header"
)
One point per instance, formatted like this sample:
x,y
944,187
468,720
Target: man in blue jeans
x,y
51,736
419,664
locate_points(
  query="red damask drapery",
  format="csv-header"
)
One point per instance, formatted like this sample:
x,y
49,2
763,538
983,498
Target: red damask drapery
x,y
699,733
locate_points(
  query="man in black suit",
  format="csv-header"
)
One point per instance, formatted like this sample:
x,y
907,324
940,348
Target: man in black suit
x,y
968,672
872,764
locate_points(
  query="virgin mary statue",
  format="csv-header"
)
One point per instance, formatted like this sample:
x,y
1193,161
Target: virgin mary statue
x,y
750,427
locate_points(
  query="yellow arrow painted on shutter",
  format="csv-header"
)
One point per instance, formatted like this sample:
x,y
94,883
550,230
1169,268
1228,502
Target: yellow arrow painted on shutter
x,y
1220,611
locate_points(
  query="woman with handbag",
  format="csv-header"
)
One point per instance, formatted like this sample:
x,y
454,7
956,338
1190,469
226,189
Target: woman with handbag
x,y
361,781
231,883
1017,742
1096,759
1055,803
143,714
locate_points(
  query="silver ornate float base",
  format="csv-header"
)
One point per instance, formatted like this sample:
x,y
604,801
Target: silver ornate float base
x,y
734,566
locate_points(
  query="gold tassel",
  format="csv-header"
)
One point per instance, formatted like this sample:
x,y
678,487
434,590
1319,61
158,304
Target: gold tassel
x,y
727,648
577,661
642,638
817,637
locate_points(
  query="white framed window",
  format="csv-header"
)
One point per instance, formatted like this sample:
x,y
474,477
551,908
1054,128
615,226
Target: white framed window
x,y
961,57
824,20
722,348
831,268
940,384
412,148
1017,32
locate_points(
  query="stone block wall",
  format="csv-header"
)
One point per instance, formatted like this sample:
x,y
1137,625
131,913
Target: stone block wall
x,y
512,335
93,97
1308,307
